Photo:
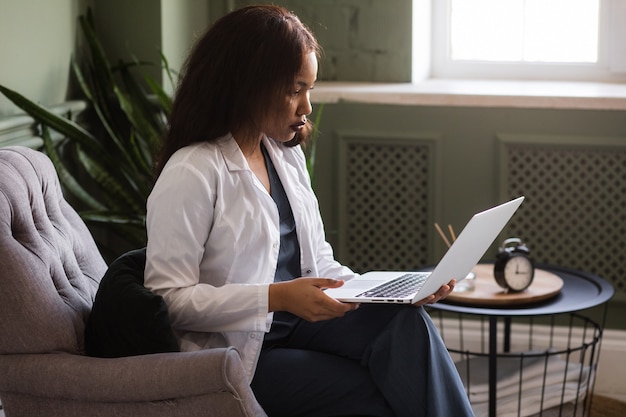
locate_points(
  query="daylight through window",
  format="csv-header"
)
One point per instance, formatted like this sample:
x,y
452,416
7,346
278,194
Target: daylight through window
x,y
551,40
524,30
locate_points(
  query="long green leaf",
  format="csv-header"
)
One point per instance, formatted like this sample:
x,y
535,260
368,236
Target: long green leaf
x,y
100,105
136,115
164,99
100,101
133,233
103,85
145,116
142,156
62,125
110,184
82,82
170,75
65,177
312,145
116,218
131,230
100,63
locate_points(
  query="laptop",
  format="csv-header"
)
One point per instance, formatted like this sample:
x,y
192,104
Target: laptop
x,y
409,287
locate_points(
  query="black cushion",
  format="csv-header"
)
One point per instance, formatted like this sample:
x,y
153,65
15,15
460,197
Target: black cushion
x,y
127,319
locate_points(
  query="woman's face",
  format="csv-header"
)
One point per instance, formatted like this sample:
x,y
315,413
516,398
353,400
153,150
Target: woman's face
x,y
292,118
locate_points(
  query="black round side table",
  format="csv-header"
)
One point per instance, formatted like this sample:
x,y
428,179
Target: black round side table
x,y
580,291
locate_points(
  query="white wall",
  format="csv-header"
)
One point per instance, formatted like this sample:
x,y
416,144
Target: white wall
x,y
36,42
181,24
38,38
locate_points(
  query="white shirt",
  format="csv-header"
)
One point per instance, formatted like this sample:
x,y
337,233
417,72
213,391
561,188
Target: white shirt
x,y
213,242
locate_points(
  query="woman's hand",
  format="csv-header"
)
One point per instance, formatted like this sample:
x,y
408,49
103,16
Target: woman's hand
x,y
442,293
305,298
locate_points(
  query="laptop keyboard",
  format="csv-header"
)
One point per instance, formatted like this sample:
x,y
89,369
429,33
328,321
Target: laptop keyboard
x,y
402,286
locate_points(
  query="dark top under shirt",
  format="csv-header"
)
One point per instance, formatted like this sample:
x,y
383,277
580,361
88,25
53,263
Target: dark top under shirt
x,y
289,255
288,266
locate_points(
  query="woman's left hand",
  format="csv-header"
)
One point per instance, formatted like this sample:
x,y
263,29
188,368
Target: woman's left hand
x,y
442,293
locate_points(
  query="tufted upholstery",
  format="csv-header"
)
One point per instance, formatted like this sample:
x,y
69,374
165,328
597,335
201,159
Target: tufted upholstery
x,y
50,266
50,269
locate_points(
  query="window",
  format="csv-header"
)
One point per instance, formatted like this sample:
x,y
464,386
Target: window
x,y
528,39
524,30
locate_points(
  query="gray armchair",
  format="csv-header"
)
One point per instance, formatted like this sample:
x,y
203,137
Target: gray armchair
x,y
50,270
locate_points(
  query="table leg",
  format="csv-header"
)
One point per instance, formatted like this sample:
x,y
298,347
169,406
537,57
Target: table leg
x,y
507,335
493,364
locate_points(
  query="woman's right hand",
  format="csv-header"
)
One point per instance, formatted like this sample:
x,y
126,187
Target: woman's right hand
x,y
305,298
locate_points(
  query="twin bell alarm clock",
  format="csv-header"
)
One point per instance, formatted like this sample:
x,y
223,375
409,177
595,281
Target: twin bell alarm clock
x,y
513,268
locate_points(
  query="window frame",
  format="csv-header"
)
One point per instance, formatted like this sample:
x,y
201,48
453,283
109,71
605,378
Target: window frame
x,y
611,65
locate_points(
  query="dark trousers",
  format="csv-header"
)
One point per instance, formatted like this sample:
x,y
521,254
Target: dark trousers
x,y
380,360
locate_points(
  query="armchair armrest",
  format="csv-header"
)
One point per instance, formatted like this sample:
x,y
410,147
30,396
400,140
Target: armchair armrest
x,y
142,378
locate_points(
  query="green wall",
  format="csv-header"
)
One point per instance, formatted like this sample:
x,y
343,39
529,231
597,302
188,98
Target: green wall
x,y
468,168
37,39
363,40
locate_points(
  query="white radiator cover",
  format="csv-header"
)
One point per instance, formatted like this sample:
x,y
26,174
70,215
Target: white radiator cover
x,y
386,200
574,214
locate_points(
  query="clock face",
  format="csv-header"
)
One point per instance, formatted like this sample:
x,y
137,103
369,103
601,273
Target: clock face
x,y
518,273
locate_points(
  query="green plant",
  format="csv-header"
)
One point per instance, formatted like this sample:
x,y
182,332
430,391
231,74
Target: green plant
x,y
311,148
105,158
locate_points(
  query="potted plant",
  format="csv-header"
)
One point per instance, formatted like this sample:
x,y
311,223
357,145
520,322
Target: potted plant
x,y
105,158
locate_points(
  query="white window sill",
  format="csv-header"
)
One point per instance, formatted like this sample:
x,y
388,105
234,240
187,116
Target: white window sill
x,y
487,93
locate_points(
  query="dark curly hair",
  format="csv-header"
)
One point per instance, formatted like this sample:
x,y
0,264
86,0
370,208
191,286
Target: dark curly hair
x,y
236,75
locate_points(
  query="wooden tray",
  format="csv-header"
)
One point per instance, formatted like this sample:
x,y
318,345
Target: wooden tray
x,y
488,293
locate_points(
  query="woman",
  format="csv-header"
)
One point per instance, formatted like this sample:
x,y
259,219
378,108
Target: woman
x,y
236,244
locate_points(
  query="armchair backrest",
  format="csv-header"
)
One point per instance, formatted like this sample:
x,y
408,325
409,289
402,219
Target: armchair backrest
x,y
50,266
